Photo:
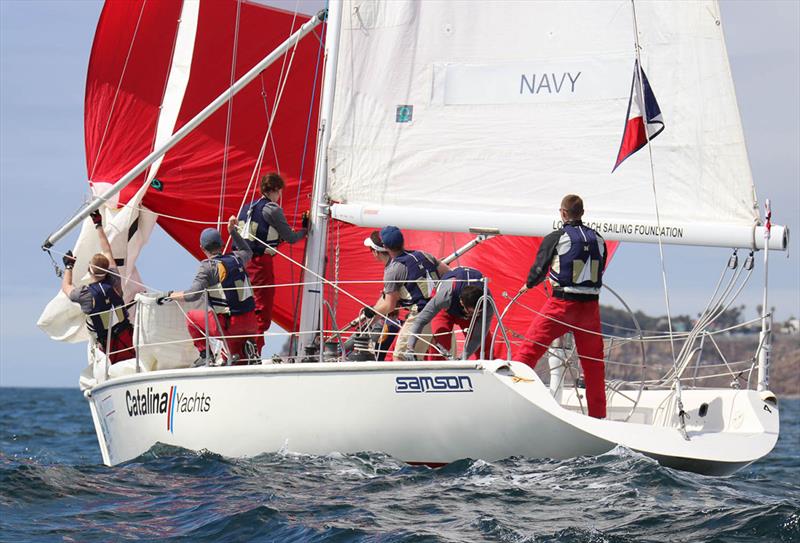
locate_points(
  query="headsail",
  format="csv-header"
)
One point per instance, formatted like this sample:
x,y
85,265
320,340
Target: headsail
x,y
489,120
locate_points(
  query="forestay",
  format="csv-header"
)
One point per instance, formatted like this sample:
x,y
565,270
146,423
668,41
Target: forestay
x,y
471,114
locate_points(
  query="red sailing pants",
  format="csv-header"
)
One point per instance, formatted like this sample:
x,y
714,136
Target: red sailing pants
x,y
261,274
237,325
442,326
574,315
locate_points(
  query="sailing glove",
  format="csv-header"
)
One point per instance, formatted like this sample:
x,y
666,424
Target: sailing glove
x,y
165,298
97,219
69,260
305,219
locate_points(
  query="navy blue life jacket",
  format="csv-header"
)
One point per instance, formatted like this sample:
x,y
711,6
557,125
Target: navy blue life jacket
x,y
233,295
420,277
252,215
105,302
461,276
579,269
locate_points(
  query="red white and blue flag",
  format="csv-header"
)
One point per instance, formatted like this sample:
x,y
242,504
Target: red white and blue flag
x,y
643,121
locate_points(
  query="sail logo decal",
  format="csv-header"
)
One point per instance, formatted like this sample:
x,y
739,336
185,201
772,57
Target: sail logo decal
x,y
426,384
150,402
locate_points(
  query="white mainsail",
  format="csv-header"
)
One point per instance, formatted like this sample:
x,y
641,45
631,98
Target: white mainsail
x,y
446,119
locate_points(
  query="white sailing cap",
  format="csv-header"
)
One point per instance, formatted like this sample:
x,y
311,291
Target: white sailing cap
x,y
373,241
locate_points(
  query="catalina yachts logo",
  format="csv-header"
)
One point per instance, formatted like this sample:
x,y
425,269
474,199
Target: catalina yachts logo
x,y
426,383
152,402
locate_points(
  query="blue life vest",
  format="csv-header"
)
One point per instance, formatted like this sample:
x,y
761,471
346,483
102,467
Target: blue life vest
x,y
105,302
580,265
460,276
420,275
259,229
233,295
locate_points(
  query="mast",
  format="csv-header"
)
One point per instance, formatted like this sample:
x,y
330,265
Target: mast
x,y
318,232
162,149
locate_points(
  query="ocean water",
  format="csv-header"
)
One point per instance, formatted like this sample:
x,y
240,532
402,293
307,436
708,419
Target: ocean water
x,y
53,487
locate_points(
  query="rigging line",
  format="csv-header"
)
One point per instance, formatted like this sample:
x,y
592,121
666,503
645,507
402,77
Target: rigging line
x,y
116,92
681,413
229,119
640,74
284,77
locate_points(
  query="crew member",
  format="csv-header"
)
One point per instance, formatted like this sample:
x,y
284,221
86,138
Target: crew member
x,y
409,280
101,299
573,259
382,331
454,303
229,293
265,226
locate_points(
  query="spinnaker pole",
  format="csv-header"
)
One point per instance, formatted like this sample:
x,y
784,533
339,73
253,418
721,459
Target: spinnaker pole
x,y
186,129
318,229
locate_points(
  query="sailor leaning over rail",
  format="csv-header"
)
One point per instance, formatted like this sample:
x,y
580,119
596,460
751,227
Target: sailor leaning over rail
x,y
573,259
101,299
409,280
453,303
264,226
229,294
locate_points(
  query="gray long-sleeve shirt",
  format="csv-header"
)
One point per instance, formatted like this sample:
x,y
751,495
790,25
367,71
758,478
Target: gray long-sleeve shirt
x,y
441,302
274,216
208,273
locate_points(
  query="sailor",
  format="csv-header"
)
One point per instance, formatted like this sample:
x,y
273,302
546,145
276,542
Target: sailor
x,y
101,299
382,331
454,303
265,226
573,259
230,295
409,280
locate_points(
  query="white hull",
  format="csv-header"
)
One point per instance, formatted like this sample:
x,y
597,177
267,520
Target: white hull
x,y
417,412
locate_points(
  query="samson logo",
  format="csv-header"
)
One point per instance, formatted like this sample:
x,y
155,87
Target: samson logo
x,y
152,403
442,383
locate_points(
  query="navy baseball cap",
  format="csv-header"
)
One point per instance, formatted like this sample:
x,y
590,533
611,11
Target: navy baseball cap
x,y
392,237
210,238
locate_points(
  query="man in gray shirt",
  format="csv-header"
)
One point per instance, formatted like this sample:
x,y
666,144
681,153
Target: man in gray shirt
x,y
409,280
101,300
265,227
454,303
224,278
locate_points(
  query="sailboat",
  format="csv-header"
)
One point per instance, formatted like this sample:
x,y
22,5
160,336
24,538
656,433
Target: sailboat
x,y
462,123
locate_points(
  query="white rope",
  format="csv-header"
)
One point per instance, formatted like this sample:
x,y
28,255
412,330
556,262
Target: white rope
x,y
229,118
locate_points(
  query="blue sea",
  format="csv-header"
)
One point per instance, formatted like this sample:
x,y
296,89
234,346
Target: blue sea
x,y
53,487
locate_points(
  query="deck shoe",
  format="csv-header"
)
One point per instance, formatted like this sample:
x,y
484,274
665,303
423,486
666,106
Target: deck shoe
x,y
201,361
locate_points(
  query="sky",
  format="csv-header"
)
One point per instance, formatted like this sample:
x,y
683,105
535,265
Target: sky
x,y
44,51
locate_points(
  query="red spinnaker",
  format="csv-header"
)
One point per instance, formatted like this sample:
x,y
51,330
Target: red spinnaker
x,y
128,71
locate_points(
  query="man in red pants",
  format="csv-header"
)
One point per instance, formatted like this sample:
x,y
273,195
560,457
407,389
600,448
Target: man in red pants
x,y
230,295
454,302
573,259
264,227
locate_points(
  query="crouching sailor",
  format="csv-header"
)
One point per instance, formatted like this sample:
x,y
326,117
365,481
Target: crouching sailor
x,y
265,226
454,302
229,293
573,259
102,300
409,280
